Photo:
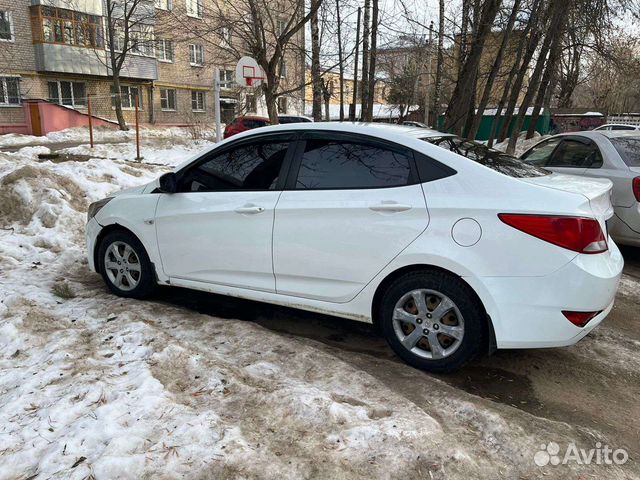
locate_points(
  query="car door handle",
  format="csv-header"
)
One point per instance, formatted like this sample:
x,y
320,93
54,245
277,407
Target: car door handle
x,y
390,207
249,209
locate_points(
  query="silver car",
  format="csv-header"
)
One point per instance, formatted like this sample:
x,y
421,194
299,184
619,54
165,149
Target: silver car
x,y
612,154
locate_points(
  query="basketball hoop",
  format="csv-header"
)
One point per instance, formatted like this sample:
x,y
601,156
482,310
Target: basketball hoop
x,y
248,72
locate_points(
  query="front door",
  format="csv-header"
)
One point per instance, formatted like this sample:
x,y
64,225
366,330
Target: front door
x,y
218,227
353,205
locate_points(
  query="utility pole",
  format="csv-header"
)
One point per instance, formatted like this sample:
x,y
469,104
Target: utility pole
x,y
352,107
427,80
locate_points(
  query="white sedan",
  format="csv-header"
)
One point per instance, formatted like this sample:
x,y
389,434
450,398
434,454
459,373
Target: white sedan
x,y
451,251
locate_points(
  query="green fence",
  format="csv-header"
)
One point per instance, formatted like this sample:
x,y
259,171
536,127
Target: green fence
x,y
542,125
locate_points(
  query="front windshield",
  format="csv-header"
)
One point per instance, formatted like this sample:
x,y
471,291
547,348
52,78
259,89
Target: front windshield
x,y
494,159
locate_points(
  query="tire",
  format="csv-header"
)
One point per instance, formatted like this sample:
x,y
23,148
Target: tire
x,y
421,308
133,275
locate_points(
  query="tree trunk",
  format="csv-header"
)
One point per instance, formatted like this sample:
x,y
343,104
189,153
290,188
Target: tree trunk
x,y
543,97
437,94
364,100
464,28
465,86
117,101
495,69
341,62
316,80
354,100
270,100
372,62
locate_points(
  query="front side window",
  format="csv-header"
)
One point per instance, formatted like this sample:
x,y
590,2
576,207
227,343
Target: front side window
x,y
197,101
6,26
541,153
576,154
70,94
255,166
196,55
9,91
337,164
629,149
167,99
493,159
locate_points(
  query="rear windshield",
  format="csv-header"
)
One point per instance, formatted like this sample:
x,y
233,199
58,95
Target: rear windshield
x,y
494,159
629,149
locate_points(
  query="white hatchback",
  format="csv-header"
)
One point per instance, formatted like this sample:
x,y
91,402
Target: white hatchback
x,y
451,251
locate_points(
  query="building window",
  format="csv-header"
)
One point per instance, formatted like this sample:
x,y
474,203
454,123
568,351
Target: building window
x,y
197,101
227,77
71,94
128,96
164,50
141,40
225,33
250,103
168,99
164,4
57,25
281,26
283,68
194,8
7,33
282,105
9,91
196,55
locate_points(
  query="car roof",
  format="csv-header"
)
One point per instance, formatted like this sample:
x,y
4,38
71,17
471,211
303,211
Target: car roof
x,y
603,133
373,129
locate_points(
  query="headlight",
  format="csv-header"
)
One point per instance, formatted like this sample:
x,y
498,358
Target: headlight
x,y
95,207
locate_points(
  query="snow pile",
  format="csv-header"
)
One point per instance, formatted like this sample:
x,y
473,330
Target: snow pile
x,y
523,144
102,134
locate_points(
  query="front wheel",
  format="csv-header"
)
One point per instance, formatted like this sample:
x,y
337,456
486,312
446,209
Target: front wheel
x,y
125,265
433,320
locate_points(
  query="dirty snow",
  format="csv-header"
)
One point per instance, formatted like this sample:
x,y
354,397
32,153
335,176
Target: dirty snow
x,y
95,386
523,144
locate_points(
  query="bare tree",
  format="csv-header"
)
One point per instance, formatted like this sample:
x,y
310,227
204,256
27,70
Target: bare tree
x,y
366,32
316,79
372,62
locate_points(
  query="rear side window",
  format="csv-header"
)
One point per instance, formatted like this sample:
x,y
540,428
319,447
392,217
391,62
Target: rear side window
x,y
335,164
576,154
629,149
254,166
622,127
498,161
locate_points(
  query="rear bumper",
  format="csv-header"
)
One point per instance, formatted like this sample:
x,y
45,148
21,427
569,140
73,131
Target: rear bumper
x,y
528,310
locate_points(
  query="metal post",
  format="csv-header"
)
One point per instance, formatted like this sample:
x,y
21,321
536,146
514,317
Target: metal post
x,y
427,80
216,101
90,120
137,132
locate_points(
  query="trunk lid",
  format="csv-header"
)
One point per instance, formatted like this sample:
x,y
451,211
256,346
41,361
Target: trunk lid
x,y
596,190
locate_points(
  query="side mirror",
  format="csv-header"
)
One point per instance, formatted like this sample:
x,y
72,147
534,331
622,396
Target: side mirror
x,y
168,183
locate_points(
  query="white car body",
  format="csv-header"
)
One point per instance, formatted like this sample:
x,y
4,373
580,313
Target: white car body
x,y
331,251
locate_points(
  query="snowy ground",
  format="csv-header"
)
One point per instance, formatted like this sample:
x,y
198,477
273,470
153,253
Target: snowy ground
x,y
95,386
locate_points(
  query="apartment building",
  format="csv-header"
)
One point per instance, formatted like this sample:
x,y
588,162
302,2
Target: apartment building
x,y
53,57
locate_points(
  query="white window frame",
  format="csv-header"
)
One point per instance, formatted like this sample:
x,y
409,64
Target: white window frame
x,y
166,5
286,105
73,98
281,25
130,98
193,55
225,34
204,102
166,98
190,4
164,43
227,77
3,81
12,27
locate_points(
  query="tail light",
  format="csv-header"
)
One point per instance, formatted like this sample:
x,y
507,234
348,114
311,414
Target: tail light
x,y
582,235
636,188
580,319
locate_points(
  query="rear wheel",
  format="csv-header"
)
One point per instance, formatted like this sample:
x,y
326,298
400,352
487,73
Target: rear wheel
x,y
125,265
433,320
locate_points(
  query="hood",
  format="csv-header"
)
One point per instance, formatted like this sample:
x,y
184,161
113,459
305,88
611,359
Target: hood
x,y
131,191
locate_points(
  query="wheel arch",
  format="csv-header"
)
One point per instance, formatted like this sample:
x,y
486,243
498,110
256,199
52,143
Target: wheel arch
x,y
399,272
114,227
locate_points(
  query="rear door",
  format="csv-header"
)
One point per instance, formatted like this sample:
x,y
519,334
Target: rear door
x,y
351,204
218,227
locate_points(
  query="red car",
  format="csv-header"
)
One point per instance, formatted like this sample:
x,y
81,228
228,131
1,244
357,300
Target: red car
x,y
240,124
